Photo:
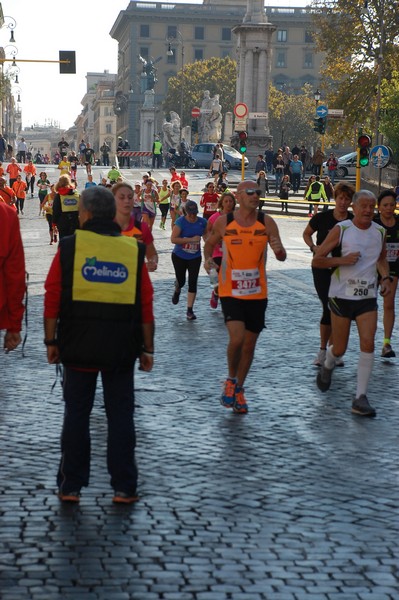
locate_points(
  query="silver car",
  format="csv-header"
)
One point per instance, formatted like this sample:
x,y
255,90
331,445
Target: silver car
x,y
203,155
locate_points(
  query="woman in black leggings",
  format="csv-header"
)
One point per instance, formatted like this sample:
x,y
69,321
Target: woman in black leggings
x,y
186,256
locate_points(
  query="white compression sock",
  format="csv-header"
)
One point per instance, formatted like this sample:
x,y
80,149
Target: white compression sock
x,y
329,363
364,368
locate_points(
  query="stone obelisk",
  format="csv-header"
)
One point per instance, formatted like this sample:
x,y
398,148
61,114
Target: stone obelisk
x,y
254,55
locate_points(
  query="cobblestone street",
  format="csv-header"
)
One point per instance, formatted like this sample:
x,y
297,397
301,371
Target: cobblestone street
x,y
296,500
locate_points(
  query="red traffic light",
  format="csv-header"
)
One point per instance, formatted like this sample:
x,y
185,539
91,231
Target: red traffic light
x,y
242,136
364,141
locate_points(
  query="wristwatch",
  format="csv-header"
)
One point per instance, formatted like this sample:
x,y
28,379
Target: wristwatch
x,y
387,277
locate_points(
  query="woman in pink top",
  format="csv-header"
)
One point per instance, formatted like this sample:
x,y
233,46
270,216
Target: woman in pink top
x,y
226,204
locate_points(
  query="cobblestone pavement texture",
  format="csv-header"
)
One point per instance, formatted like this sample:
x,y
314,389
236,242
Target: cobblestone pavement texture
x,y
296,500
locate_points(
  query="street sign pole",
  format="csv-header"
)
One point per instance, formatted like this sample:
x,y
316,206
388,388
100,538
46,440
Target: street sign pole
x,y
358,169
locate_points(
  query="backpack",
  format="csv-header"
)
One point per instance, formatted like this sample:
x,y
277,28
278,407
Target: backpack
x,y
315,187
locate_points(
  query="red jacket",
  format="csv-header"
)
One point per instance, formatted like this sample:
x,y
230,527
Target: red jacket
x,y
12,270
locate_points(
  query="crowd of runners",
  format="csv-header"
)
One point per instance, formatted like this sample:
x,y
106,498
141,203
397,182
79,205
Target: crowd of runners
x,y
355,247
105,236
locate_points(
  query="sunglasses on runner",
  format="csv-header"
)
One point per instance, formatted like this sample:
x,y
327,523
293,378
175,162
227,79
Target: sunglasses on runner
x,y
252,191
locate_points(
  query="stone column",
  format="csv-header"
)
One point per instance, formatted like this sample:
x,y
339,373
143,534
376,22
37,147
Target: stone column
x,y
248,77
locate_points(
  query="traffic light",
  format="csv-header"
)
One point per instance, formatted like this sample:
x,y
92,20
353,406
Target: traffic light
x,y
70,66
364,143
242,138
194,125
320,124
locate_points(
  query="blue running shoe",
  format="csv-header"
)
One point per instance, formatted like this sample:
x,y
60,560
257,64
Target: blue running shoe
x,y
229,393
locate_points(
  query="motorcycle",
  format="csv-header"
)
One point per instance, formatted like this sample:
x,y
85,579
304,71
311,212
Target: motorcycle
x,y
178,160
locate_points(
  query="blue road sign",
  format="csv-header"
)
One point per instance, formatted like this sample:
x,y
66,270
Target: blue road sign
x,y
321,110
380,156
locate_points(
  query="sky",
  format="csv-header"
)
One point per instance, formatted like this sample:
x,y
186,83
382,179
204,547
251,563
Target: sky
x,y
46,26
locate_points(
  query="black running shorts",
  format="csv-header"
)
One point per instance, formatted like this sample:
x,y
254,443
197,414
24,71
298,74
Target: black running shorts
x,y
251,312
350,309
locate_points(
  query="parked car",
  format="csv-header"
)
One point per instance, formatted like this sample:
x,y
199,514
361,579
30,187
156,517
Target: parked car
x,y
203,155
346,165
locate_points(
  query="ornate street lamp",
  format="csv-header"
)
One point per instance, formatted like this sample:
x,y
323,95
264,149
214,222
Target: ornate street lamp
x,y
11,25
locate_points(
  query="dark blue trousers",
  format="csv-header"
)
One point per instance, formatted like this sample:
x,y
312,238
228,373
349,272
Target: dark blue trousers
x,y
79,391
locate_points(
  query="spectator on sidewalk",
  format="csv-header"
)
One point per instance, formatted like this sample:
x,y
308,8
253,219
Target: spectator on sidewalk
x,y
12,277
157,154
22,149
118,329
105,150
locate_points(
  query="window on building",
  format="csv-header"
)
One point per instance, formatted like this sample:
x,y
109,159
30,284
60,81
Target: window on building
x,y
225,52
199,33
198,54
308,60
226,34
144,30
172,31
281,35
145,52
108,128
281,60
309,39
171,60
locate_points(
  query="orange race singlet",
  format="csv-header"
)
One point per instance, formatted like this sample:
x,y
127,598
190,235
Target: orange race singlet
x,y
242,273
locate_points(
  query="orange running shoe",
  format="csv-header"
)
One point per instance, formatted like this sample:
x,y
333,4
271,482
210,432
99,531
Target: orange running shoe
x,y
240,405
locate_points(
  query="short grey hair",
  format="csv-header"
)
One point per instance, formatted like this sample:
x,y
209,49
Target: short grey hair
x,y
99,201
363,194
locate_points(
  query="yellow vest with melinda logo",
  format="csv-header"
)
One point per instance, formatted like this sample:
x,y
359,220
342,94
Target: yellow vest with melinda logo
x,y
100,315
70,202
105,268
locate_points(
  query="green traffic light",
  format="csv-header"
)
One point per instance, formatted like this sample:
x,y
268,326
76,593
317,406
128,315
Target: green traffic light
x,y
364,161
243,149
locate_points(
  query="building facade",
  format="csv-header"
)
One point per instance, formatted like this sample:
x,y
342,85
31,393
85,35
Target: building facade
x,y
97,117
197,32
104,117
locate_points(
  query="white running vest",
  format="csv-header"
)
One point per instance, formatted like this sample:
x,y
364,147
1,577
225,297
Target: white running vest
x,y
358,281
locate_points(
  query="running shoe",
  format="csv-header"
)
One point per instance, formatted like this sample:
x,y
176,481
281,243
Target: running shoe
x,y
124,498
214,300
176,295
240,405
323,379
69,496
339,362
320,358
387,351
361,406
229,393
190,315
